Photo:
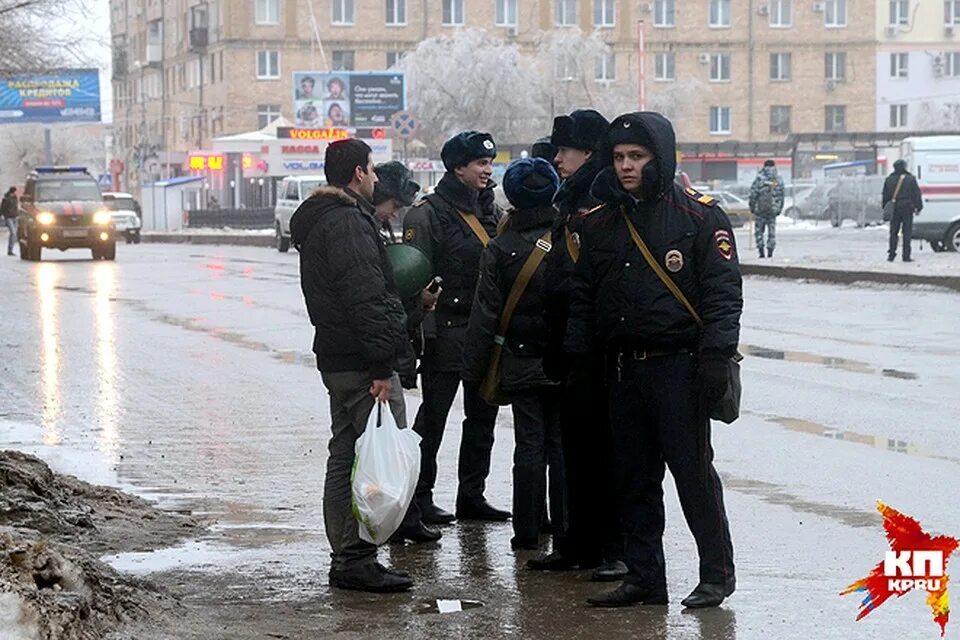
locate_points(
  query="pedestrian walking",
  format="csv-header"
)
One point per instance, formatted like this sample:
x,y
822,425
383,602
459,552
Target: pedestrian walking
x,y
10,207
510,294
901,189
652,243
360,330
593,538
451,226
766,203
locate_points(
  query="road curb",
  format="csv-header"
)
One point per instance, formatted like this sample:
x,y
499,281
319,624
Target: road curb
x,y
849,277
245,240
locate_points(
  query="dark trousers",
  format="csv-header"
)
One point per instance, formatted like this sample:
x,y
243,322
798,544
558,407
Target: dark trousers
x,y
657,417
901,221
350,406
476,443
536,428
593,534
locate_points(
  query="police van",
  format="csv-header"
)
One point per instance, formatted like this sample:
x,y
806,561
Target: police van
x,y
935,161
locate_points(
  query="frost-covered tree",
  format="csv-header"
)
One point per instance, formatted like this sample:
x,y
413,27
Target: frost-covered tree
x,y
43,34
22,148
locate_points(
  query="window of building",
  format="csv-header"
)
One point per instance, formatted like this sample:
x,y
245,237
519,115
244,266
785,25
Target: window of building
x,y
393,58
951,64
665,67
342,12
343,60
267,12
506,13
565,13
781,67
267,113
268,65
664,13
719,13
603,13
720,120
898,116
565,67
780,119
951,12
396,12
781,13
899,12
213,68
835,13
605,67
452,12
835,118
835,66
899,65
719,67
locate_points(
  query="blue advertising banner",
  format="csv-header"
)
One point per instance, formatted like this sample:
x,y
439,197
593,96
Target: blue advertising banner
x,y
67,95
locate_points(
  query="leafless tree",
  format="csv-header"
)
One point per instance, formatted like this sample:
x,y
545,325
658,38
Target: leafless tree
x,y
36,35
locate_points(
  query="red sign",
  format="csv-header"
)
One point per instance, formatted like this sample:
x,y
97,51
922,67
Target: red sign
x,y
379,134
300,149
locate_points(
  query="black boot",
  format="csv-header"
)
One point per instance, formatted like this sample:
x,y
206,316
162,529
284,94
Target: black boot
x,y
432,514
627,595
417,533
480,509
555,561
609,572
369,578
769,253
709,594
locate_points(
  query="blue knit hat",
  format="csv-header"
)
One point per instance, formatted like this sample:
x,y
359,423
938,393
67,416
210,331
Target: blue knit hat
x,y
530,182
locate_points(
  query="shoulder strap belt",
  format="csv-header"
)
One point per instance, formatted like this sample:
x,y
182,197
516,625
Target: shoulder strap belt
x,y
670,284
520,284
899,184
474,223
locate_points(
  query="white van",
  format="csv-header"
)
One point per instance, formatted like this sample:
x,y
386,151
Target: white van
x,y
935,161
290,193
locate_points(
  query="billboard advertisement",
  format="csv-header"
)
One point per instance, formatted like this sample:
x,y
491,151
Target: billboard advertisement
x,y
67,95
341,99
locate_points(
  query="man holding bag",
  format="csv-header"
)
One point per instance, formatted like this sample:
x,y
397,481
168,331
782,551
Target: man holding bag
x,y
658,288
901,201
360,330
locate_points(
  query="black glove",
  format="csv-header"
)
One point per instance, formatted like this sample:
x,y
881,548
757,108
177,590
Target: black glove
x,y
556,365
713,370
408,380
486,198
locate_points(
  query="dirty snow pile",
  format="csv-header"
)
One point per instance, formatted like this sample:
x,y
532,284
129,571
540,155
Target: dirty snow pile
x,y
52,530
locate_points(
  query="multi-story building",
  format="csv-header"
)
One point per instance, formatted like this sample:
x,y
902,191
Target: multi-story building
x,y
918,65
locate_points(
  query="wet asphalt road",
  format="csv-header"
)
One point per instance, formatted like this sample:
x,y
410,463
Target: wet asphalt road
x,y
184,374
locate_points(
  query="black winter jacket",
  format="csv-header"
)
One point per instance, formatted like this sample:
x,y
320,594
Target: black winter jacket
x,y
10,206
436,227
347,284
573,200
526,336
910,199
619,302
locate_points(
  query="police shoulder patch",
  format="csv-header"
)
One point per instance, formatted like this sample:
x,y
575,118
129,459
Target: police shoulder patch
x,y
702,198
409,234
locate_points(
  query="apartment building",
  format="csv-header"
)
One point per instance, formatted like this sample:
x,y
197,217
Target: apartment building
x,y
918,65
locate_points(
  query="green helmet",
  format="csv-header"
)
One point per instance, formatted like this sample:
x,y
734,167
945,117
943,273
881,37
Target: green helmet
x,y
412,270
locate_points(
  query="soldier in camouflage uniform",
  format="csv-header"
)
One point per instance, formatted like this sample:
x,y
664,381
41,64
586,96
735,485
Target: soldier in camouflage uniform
x,y
766,203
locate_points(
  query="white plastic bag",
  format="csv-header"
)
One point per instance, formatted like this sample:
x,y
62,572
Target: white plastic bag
x,y
385,471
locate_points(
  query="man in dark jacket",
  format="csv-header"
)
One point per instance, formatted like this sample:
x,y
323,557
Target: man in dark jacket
x,y
451,226
665,373
530,185
9,210
594,537
908,203
360,330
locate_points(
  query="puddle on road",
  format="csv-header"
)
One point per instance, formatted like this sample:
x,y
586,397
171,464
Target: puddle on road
x,y
854,366
878,442
447,606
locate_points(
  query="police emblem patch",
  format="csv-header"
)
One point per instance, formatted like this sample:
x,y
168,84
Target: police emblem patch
x,y
673,260
408,235
724,244
487,144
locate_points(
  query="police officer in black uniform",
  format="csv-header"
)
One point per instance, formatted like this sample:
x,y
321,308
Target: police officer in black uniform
x,y
451,226
665,374
593,537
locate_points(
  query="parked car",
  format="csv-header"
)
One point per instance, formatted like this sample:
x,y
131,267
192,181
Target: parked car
x,y
292,191
62,208
855,198
738,209
126,214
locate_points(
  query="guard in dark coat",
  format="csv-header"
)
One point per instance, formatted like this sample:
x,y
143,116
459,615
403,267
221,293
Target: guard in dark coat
x,y
530,185
664,373
451,226
909,202
594,537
